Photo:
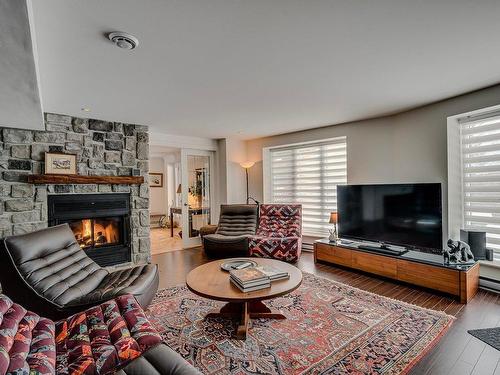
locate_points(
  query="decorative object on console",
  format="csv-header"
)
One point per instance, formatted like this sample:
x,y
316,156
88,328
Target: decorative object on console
x,y
359,346
59,163
333,232
489,254
459,252
477,242
156,179
247,165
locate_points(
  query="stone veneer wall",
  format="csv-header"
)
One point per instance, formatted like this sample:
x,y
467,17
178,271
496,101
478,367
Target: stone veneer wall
x,y
103,149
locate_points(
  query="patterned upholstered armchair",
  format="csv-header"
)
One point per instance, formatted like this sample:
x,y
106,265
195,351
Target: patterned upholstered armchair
x,y
279,233
112,338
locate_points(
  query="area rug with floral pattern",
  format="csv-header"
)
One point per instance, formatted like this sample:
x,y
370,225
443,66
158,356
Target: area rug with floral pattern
x,y
330,328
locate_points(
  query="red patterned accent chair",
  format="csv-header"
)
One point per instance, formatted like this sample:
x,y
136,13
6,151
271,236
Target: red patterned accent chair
x,y
279,233
114,337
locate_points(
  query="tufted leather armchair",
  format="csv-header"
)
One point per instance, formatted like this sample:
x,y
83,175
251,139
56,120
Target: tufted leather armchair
x,y
279,234
47,272
236,223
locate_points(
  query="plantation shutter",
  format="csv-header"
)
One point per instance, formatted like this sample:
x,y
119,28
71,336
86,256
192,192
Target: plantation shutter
x,y
480,145
309,175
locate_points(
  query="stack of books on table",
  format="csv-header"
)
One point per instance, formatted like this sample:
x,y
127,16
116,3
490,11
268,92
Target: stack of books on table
x,y
255,278
249,279
273,273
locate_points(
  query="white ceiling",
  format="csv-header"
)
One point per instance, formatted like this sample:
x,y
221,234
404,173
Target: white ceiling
x,y
250,68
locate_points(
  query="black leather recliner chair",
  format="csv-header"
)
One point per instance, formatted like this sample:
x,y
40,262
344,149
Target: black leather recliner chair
x,y
47,272
236,223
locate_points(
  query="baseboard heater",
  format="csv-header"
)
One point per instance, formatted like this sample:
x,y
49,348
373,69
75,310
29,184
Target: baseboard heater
x,y
489,284
307,246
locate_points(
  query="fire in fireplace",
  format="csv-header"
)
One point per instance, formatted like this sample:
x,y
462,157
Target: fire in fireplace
x,y
100,222
96,232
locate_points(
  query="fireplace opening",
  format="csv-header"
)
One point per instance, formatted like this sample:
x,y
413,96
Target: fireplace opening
x,y
97,232
100,223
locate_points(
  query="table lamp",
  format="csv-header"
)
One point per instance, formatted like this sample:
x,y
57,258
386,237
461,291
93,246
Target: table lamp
x,y
333,232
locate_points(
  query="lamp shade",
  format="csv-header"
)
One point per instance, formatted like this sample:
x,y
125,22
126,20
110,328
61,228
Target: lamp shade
x,y
247,164
179,189
333,218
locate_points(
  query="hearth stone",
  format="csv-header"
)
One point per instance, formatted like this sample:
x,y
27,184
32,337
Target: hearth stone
x,y
98,137
49,137
104,126
15,176
80,125
114,145
38,151
21,191
20,151
23,165
17,136
17,205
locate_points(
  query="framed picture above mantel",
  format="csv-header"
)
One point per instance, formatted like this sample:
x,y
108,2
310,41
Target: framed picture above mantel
x,y
59,163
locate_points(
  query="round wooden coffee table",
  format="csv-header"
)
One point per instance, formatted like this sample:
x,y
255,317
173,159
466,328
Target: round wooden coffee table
x,y
211,282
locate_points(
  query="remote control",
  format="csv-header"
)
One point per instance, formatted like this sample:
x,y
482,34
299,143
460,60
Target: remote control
x,y
242,265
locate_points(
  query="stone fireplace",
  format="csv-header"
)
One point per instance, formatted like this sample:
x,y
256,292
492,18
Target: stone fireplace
x,y
102,148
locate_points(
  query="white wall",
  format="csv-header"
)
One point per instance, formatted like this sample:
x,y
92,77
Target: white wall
x,y
158,200
236,181
408,147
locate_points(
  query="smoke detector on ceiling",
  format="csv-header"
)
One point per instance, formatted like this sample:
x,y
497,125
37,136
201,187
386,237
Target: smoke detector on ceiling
x,y
123,40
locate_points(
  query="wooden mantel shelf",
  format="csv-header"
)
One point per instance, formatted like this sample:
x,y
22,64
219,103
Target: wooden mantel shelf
x,y
60,179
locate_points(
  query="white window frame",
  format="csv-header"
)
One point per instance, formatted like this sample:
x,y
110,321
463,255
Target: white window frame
x,y
266,162
456,201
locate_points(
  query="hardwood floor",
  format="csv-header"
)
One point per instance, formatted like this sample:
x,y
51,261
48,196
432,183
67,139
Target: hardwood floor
x,y
161,242
456,353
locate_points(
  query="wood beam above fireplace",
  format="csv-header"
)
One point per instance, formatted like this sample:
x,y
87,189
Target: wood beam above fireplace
x,y
44,179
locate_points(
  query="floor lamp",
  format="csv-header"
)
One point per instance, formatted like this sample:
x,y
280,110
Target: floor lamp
x,y
247,165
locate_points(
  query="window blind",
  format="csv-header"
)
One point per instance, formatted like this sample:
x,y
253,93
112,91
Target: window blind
x,y
309,175
480,145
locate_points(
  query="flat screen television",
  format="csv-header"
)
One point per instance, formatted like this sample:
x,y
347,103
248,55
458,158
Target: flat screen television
x,y
408,215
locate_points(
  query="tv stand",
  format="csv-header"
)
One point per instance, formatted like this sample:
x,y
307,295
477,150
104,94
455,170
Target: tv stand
x,y
412,267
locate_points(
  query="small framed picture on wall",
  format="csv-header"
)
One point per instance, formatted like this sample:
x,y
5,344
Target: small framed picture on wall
x,y
59,163
156,179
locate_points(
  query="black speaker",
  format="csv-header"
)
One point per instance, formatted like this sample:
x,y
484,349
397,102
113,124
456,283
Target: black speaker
x,y
476,241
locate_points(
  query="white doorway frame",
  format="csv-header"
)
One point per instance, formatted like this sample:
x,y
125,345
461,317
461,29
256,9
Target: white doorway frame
x,y
196,144
187,241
